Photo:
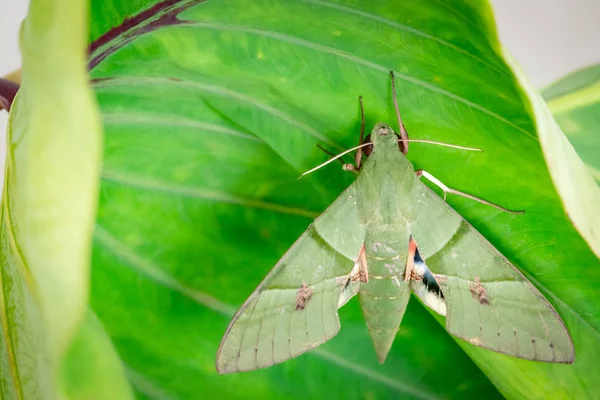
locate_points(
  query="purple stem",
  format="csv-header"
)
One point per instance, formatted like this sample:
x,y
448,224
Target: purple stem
x,y
8,90
133,27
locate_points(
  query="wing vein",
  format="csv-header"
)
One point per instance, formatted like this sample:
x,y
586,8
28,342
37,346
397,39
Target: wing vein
x,y
243,335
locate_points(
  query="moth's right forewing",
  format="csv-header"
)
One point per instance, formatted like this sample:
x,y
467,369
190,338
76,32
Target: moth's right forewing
x,y
496,307
489,302
294,309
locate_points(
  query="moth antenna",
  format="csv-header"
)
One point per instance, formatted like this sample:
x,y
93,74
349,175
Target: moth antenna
x,y
324,150
334,158
441,144
446,189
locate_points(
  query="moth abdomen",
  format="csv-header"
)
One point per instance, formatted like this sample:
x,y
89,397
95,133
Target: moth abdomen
x,y
385,297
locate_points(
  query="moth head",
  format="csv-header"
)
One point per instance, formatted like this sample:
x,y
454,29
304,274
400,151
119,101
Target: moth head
x,y
383,136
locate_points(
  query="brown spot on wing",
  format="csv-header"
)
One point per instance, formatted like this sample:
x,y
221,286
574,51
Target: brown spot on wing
x,y
304,294
478,292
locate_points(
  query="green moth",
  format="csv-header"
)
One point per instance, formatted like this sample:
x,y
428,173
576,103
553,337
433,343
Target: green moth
x,y
385,236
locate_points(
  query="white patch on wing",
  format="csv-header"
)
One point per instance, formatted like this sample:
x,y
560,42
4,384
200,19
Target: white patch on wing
x,y
350,284
430,299
419,268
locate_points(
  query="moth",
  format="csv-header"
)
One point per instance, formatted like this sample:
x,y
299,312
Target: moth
x,y
386,236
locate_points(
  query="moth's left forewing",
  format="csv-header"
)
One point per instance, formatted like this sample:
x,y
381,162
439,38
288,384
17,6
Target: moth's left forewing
x,y
489,302
294,309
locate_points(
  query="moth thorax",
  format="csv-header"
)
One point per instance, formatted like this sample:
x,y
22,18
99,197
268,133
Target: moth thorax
x,y
369,149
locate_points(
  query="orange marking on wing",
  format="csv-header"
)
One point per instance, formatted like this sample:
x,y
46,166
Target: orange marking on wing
x,y
362,265
410,260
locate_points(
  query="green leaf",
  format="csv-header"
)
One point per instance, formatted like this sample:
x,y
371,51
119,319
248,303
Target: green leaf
x,y
91,363
573,181
53,165
575,103
213,109
49,203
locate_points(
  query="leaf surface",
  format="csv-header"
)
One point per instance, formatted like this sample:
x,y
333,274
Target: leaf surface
x,y
574,182
211,113
92,369
48,212
575,103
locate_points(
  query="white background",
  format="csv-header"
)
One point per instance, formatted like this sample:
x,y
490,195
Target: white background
x,y
548,38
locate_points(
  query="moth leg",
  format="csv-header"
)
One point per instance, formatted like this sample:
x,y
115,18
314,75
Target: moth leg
x,y
359,152
351,168
403,132
446,190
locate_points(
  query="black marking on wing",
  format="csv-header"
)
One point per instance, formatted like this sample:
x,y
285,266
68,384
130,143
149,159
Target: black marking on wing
x,y
418,258
428,279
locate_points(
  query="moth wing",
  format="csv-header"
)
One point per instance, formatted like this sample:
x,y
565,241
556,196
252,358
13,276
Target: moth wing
x,y
489,302
294,309
349,290
426,286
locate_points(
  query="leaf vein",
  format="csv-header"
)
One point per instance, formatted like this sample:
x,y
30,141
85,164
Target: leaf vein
x,y
204,194
219,91
130,118
406,28
153,272
4,317
361,61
